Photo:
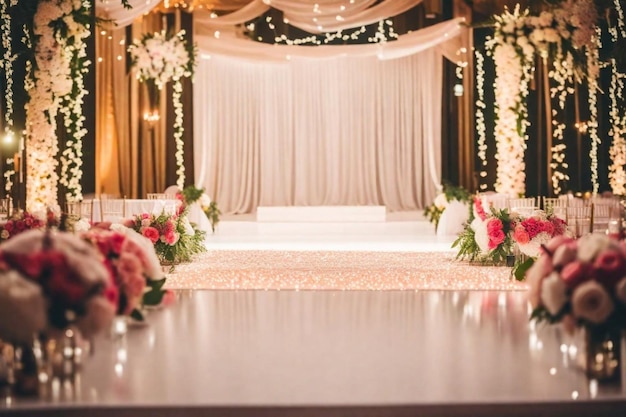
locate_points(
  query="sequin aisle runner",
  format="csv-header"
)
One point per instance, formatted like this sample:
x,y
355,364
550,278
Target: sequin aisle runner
x,y
336,270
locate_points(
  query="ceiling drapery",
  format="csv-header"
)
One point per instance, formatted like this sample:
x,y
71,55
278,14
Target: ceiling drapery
x,y
228,44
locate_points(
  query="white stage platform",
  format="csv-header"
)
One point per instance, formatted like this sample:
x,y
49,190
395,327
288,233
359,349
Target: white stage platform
x,y
399,232
327,214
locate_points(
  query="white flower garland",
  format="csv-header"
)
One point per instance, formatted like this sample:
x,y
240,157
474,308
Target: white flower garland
x,y
513,55
617,151
481,128
593,59
57,47
162,58
72,105
178,133
7,65
560,34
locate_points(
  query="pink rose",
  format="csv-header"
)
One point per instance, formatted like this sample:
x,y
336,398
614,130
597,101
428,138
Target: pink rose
x,y
494,225
117,241
171,238
151,233
609,266
145,216
128,264
136,284
575,273
520,236
495,239
548,227
129,223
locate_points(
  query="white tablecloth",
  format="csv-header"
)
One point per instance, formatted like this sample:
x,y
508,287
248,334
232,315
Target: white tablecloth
x,y
133,207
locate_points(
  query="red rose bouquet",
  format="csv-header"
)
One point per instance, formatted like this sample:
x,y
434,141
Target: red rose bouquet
x,y
532,232
18,223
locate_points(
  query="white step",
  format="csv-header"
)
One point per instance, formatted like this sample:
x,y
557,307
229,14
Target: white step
x,y
326,214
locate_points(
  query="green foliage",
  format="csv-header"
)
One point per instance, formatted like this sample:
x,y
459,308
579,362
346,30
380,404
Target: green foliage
x,y
213,213
452,192
520,268
466,244
191,194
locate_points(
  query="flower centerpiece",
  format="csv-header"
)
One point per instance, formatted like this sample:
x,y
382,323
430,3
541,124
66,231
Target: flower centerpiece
x,y
582,284
192,194
486,237
51,280
175,239
19,222
532,232
158,58
136,276
448,194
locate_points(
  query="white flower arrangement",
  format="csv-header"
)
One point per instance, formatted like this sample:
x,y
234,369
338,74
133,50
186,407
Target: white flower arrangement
x,y
563,34
55,84
160,58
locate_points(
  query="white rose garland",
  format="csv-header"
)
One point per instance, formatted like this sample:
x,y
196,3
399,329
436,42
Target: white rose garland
x,y
162,58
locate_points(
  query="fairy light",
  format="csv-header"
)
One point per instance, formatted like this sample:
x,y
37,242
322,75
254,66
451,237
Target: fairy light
x,y
384,33
481,128
617,151
563,76
593,58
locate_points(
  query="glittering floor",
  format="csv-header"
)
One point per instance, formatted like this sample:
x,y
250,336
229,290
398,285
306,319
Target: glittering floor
x,y
337,270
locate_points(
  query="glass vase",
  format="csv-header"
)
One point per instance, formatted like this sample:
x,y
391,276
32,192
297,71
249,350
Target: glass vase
x,y
603,346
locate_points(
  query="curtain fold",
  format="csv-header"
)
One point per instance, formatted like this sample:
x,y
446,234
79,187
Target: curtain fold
x,y
118,15
340,131
229,44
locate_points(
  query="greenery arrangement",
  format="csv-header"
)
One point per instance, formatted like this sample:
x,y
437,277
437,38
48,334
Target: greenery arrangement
x,y
175,239
192,194
449,193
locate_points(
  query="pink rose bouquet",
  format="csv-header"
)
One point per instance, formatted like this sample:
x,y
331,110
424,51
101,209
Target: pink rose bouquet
x,y
580,282
486,237
174,238
51,280
133,275
532,232
20,222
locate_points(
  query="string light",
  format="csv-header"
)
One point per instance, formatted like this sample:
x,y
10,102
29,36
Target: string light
x,y
481,128
593,58
617,151
384,32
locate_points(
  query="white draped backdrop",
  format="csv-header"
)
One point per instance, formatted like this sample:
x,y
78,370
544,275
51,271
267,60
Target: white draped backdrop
x,y
340,131
326,125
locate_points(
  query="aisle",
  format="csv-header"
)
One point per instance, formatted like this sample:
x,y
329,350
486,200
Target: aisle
x,y
337,270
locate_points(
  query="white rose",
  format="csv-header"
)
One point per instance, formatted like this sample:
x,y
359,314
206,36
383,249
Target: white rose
x,y
440,201
82,225
590,245
22,308
553,294
480,234
620,290
591,302
563,255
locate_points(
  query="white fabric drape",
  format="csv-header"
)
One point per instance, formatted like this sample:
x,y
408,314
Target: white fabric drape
x,y
314,17
114,11
228,44
339,131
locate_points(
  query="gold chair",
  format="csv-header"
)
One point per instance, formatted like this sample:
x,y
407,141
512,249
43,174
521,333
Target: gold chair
x,y
113,210
580,219
6,206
